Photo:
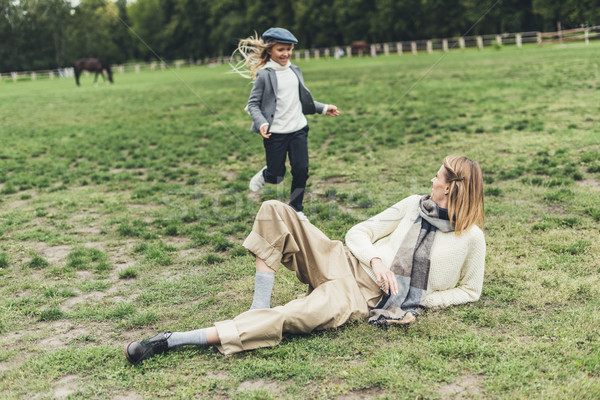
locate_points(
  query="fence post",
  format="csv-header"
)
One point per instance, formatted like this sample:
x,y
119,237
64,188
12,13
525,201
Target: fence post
x,y
297,56
14,76
519,41
121,69
480,42
445,45
413,47
461,42
499,40
137,68
429,47
337,53
386,49
399,48
539,38
349,51
306,55
51,75
373,50
587,36
317,54
326,53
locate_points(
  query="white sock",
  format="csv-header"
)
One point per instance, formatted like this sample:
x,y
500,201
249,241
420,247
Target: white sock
x,y
177,339
263,287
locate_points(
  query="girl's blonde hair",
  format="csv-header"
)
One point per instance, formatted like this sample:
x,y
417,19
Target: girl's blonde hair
x,y
465,197
254,52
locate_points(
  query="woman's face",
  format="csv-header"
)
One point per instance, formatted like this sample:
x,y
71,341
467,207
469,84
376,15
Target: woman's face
x,y
281,53
439,193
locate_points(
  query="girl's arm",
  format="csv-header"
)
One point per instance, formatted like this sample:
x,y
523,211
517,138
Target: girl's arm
x,y
327,109
255,100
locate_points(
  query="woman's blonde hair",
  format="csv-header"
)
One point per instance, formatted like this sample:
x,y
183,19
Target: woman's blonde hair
x,y
465,197
254,52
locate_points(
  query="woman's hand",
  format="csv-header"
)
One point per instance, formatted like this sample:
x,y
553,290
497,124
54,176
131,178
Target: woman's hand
x,y
263,131
332,110
386,279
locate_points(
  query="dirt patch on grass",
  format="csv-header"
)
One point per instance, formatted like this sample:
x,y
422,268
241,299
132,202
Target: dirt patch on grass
x,y
66,386
70,304
218,375
369,393
589,182
229,175
463,387
128,396
261,384
53,254
334,179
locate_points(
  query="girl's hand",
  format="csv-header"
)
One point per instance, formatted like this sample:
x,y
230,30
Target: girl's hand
x,y
386,279
263,131
332,110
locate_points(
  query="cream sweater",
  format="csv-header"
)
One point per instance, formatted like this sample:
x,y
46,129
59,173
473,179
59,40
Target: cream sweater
x,y
457,262
288,115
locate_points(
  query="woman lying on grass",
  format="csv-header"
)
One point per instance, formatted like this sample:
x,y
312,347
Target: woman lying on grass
x,y
409,257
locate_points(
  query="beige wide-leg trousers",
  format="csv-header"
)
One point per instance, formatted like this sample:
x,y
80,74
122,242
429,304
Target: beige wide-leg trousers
x,y
339,289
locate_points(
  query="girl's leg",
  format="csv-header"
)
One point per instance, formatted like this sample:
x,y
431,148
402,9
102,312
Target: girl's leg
x,y
275,154
298,150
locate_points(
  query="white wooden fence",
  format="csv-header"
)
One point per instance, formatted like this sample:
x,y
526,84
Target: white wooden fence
x,y
373,50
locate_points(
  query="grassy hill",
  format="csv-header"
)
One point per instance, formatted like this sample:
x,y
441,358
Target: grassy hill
x,y
123,209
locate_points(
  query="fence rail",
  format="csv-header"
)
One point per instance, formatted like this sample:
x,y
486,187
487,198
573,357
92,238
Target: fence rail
x,y
373,50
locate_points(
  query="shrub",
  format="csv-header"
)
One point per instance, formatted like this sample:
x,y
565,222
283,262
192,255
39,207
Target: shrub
x,y
51,314
212,259
3,260
38,262
128,273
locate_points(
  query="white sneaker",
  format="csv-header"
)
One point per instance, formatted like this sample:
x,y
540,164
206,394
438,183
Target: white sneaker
x,y
258,181
301,216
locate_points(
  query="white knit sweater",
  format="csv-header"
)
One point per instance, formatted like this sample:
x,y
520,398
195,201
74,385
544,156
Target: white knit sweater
x,y
457,262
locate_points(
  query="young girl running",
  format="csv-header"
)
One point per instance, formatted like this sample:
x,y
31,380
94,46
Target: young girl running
x,y
278,103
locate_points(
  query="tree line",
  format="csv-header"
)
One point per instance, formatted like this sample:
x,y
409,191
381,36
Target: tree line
x,y
47,34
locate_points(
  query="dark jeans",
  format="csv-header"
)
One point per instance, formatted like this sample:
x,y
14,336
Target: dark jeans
x,y
277,147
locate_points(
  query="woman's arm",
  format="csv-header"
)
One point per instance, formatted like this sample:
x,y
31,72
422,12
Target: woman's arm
x,y
471,282
360,238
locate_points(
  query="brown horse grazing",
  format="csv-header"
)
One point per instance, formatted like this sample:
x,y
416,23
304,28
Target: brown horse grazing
x,y
359,47
93,65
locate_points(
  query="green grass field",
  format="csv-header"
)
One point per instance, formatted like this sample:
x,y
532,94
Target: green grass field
x,y
123,209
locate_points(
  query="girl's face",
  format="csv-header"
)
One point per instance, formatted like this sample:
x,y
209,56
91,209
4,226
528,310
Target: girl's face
x,y
281,53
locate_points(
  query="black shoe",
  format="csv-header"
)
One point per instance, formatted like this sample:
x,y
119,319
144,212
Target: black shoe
x,y
138,351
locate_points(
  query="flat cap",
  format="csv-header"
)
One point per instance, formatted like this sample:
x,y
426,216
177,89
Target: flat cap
x,y
279,35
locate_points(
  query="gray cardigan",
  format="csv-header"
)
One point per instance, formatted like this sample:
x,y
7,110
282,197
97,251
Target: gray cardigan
x,y
263,98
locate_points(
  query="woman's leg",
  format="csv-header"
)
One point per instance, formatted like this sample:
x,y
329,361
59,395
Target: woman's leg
x,y
279,237
135,352
263,285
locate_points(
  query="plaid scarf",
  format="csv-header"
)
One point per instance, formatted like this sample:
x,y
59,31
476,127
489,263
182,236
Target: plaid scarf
x,y
411,263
